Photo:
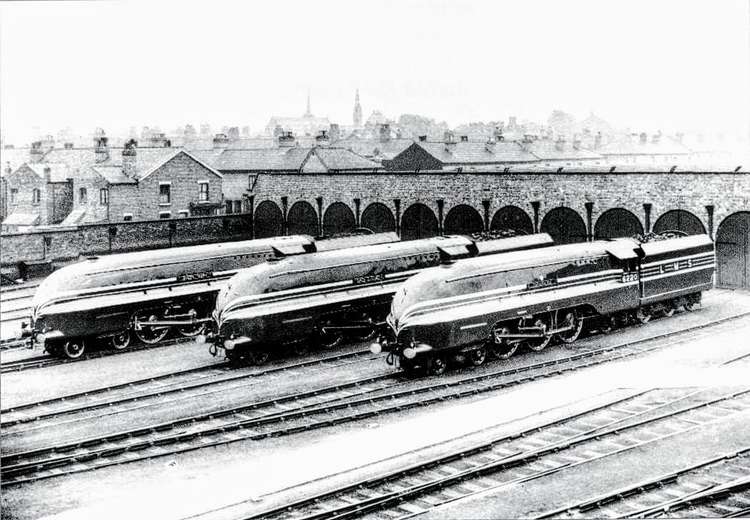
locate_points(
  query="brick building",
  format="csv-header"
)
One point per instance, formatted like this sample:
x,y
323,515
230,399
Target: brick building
x,y
37,194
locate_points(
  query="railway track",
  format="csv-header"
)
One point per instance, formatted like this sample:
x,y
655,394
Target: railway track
x,y
608,431
296,413
710,483
179,384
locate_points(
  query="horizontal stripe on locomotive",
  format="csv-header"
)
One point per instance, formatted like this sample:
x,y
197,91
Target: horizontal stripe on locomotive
x,y
295,305
703,255
663,267
514,306
678,272
253,300
130,295
479,297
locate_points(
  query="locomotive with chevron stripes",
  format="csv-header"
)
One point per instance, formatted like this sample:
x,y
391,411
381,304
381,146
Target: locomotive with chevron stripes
x,y
494,305
321,298
148,294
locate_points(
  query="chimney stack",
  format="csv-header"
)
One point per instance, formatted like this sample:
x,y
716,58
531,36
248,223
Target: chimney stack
x,y
129,158
158,140
598,140
422,138
68,146
643,138
220,141
286,140
48,143
36,154
101,149
334,132
490,145
47,174
656,137
322,138
498,133
450,141
384,132
464,138
560,144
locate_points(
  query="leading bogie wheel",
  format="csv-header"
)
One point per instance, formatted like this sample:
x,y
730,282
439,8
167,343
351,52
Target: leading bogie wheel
x,y
74,348
539,344
120,340
258,357
667,309
477,356
569,319
692,302
437,365
328,339
150,334
190,331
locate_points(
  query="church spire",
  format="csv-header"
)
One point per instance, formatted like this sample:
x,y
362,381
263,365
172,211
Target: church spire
x,y
357,111
308,113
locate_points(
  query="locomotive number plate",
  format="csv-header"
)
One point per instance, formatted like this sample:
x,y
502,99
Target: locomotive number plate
x,y
190,277
368,279
629,277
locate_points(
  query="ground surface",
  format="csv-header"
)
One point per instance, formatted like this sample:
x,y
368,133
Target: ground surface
x,y
258,475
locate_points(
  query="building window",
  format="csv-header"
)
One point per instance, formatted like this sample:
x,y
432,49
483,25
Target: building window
x,y
127,217
82,195
184,213
238,206
104,196
203,191
165,194
13,195
36,196
229,207
165,214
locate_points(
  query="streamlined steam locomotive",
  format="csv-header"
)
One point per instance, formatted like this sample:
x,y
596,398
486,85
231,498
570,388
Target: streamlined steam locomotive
x,y
149,293
322,297
493,305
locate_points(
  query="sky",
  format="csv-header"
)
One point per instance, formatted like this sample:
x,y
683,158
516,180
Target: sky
x,y
643,64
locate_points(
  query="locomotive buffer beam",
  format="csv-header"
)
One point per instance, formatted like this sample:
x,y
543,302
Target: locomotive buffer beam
x,y
139,325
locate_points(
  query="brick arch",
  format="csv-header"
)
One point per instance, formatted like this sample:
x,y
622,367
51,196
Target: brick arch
x,y
512,218
617,222
462,220
302,219
338,218
679,220
564,225
268,220
418,221
378,218
733,251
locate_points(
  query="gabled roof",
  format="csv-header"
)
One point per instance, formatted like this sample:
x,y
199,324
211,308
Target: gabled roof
x,y
59,172
263,159
175,153
113,174
375,148
13,157
340,159
469,152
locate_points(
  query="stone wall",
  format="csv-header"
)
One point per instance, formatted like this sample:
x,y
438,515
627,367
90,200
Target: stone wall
x,y
64,245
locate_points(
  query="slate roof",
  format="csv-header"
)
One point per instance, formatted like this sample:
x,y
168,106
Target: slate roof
x,y
547,150
262,159
342,159
59,172
375,148
21,219
13,156
468,152
113,174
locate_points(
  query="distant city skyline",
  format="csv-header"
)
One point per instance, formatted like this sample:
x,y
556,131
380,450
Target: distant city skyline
x,y
669,65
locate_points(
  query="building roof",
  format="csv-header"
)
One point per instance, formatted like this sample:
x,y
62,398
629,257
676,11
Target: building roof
x,y
59,172
341,159
160,161
375,148
628,146
13,157
113,174
21,219
262,159
468,152
548,150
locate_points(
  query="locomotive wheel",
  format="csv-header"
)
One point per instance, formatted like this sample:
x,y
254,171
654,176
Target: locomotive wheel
x,y
121,340
190,331
74,348
539,344
667,310
692,303
328,340
408,366
258,357
437,365
53,348
365,334
643,315
569,319
477,356
150,335
608,324
502,348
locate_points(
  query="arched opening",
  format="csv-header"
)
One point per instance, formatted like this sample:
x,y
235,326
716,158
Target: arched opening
x,y
564,225
733,251
268,220
617,222
512,218
378,218
338,218
463,220
679,220
302,219
418,221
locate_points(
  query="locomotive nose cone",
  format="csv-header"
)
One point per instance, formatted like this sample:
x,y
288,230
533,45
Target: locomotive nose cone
x,y
376,348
